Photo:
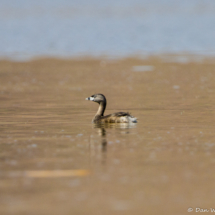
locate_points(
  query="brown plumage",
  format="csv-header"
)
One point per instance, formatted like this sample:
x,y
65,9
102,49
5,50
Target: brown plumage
x,y
119,117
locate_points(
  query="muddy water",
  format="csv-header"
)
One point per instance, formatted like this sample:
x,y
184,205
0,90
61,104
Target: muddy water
x,y
54,161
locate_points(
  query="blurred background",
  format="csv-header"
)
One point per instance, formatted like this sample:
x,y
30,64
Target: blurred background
x,y
68,28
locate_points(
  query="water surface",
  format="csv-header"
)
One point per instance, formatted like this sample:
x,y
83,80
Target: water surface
x,y
53,160
67,28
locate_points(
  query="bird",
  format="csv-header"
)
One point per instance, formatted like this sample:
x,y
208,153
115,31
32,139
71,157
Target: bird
x,y
119,117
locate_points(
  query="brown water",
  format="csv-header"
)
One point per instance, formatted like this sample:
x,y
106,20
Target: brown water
x,y
53,160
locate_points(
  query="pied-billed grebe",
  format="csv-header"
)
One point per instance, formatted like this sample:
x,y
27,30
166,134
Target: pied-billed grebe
x,y
119,117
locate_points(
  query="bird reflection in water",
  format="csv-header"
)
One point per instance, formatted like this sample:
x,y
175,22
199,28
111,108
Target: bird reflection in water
x,y
102,132
101,128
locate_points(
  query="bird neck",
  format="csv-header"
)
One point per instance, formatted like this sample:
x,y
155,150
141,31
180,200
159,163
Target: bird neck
x,y
101,109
